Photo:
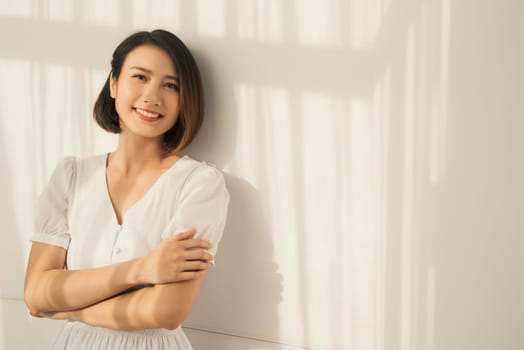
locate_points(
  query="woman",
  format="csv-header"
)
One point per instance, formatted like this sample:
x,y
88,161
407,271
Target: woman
x,y
124,240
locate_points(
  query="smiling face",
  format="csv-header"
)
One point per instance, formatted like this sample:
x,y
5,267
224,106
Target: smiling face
x,y
146,93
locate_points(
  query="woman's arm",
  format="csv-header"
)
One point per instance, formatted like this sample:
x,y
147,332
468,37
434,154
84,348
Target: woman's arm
x,y
161,306
49,288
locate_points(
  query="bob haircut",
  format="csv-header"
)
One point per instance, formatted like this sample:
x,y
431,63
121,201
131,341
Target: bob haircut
x,y
191,95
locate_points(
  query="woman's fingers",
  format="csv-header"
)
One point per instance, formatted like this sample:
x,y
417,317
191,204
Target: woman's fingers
x,y
196,243
196,266
176,258
183,235
197,255
183,257
189,242
189,275
186,242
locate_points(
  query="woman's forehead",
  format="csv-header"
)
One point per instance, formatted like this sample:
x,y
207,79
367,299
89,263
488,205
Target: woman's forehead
x,y
151,58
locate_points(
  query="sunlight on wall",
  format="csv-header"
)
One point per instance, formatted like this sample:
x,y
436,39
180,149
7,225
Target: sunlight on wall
x,y
365,22
17,136
382,115
101,12
3,336
341,199
278,128
95,140
320,189
365,220
430,308
342,194
407,244
61,128
59,10
266,158
385,5
57,94
260,20
439,112
246,166
318,22
55,106
157,13
211,18
17,8
314,189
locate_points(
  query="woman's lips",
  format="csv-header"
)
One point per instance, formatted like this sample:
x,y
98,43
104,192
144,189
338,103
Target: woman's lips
x,y
146,115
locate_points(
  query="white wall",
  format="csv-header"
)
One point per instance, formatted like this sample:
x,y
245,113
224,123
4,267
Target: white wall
x,y
373,150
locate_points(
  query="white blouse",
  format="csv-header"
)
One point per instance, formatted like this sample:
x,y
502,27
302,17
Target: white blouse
x,y
75,212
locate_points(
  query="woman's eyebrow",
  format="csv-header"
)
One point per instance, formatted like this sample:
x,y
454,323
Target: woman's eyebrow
x,y
173,77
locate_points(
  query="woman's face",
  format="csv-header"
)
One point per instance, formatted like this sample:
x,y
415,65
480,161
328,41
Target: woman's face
x,y
146,93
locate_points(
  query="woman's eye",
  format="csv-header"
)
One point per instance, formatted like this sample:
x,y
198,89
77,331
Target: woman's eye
x,y
171,86
140,77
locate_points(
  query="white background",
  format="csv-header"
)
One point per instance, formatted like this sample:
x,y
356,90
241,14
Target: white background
x,y
372,148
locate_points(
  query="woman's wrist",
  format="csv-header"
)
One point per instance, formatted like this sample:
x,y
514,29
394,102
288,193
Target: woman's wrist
x,y
136,272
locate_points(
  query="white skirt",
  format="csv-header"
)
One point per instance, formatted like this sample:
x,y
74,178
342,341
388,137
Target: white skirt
x,y
81,336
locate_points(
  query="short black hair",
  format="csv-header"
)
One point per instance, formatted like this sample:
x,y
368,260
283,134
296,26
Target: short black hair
x,y
191,92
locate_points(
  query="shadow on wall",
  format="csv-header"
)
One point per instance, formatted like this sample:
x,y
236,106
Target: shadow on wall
x,y
244,288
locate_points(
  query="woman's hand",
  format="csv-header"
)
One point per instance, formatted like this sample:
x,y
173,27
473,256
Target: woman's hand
x,y
177,258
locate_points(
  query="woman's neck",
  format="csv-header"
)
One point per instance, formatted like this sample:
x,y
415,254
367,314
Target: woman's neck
x,y
132,157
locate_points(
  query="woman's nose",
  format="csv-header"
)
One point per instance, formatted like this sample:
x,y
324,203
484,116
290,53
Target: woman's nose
x,y
151,95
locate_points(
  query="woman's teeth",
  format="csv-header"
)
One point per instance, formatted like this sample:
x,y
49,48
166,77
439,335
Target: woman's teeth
x,y
147,114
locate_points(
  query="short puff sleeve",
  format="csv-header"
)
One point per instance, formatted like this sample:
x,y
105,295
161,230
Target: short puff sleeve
x,y
202,204
51,224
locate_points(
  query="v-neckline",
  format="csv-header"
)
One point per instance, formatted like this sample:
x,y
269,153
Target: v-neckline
x,y
150,190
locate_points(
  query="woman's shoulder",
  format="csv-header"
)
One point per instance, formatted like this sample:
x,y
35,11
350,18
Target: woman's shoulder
x,y
200,169
91,162
83,160
195,173
77,166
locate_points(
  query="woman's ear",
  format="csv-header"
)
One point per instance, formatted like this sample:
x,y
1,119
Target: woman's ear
x,y
112,86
